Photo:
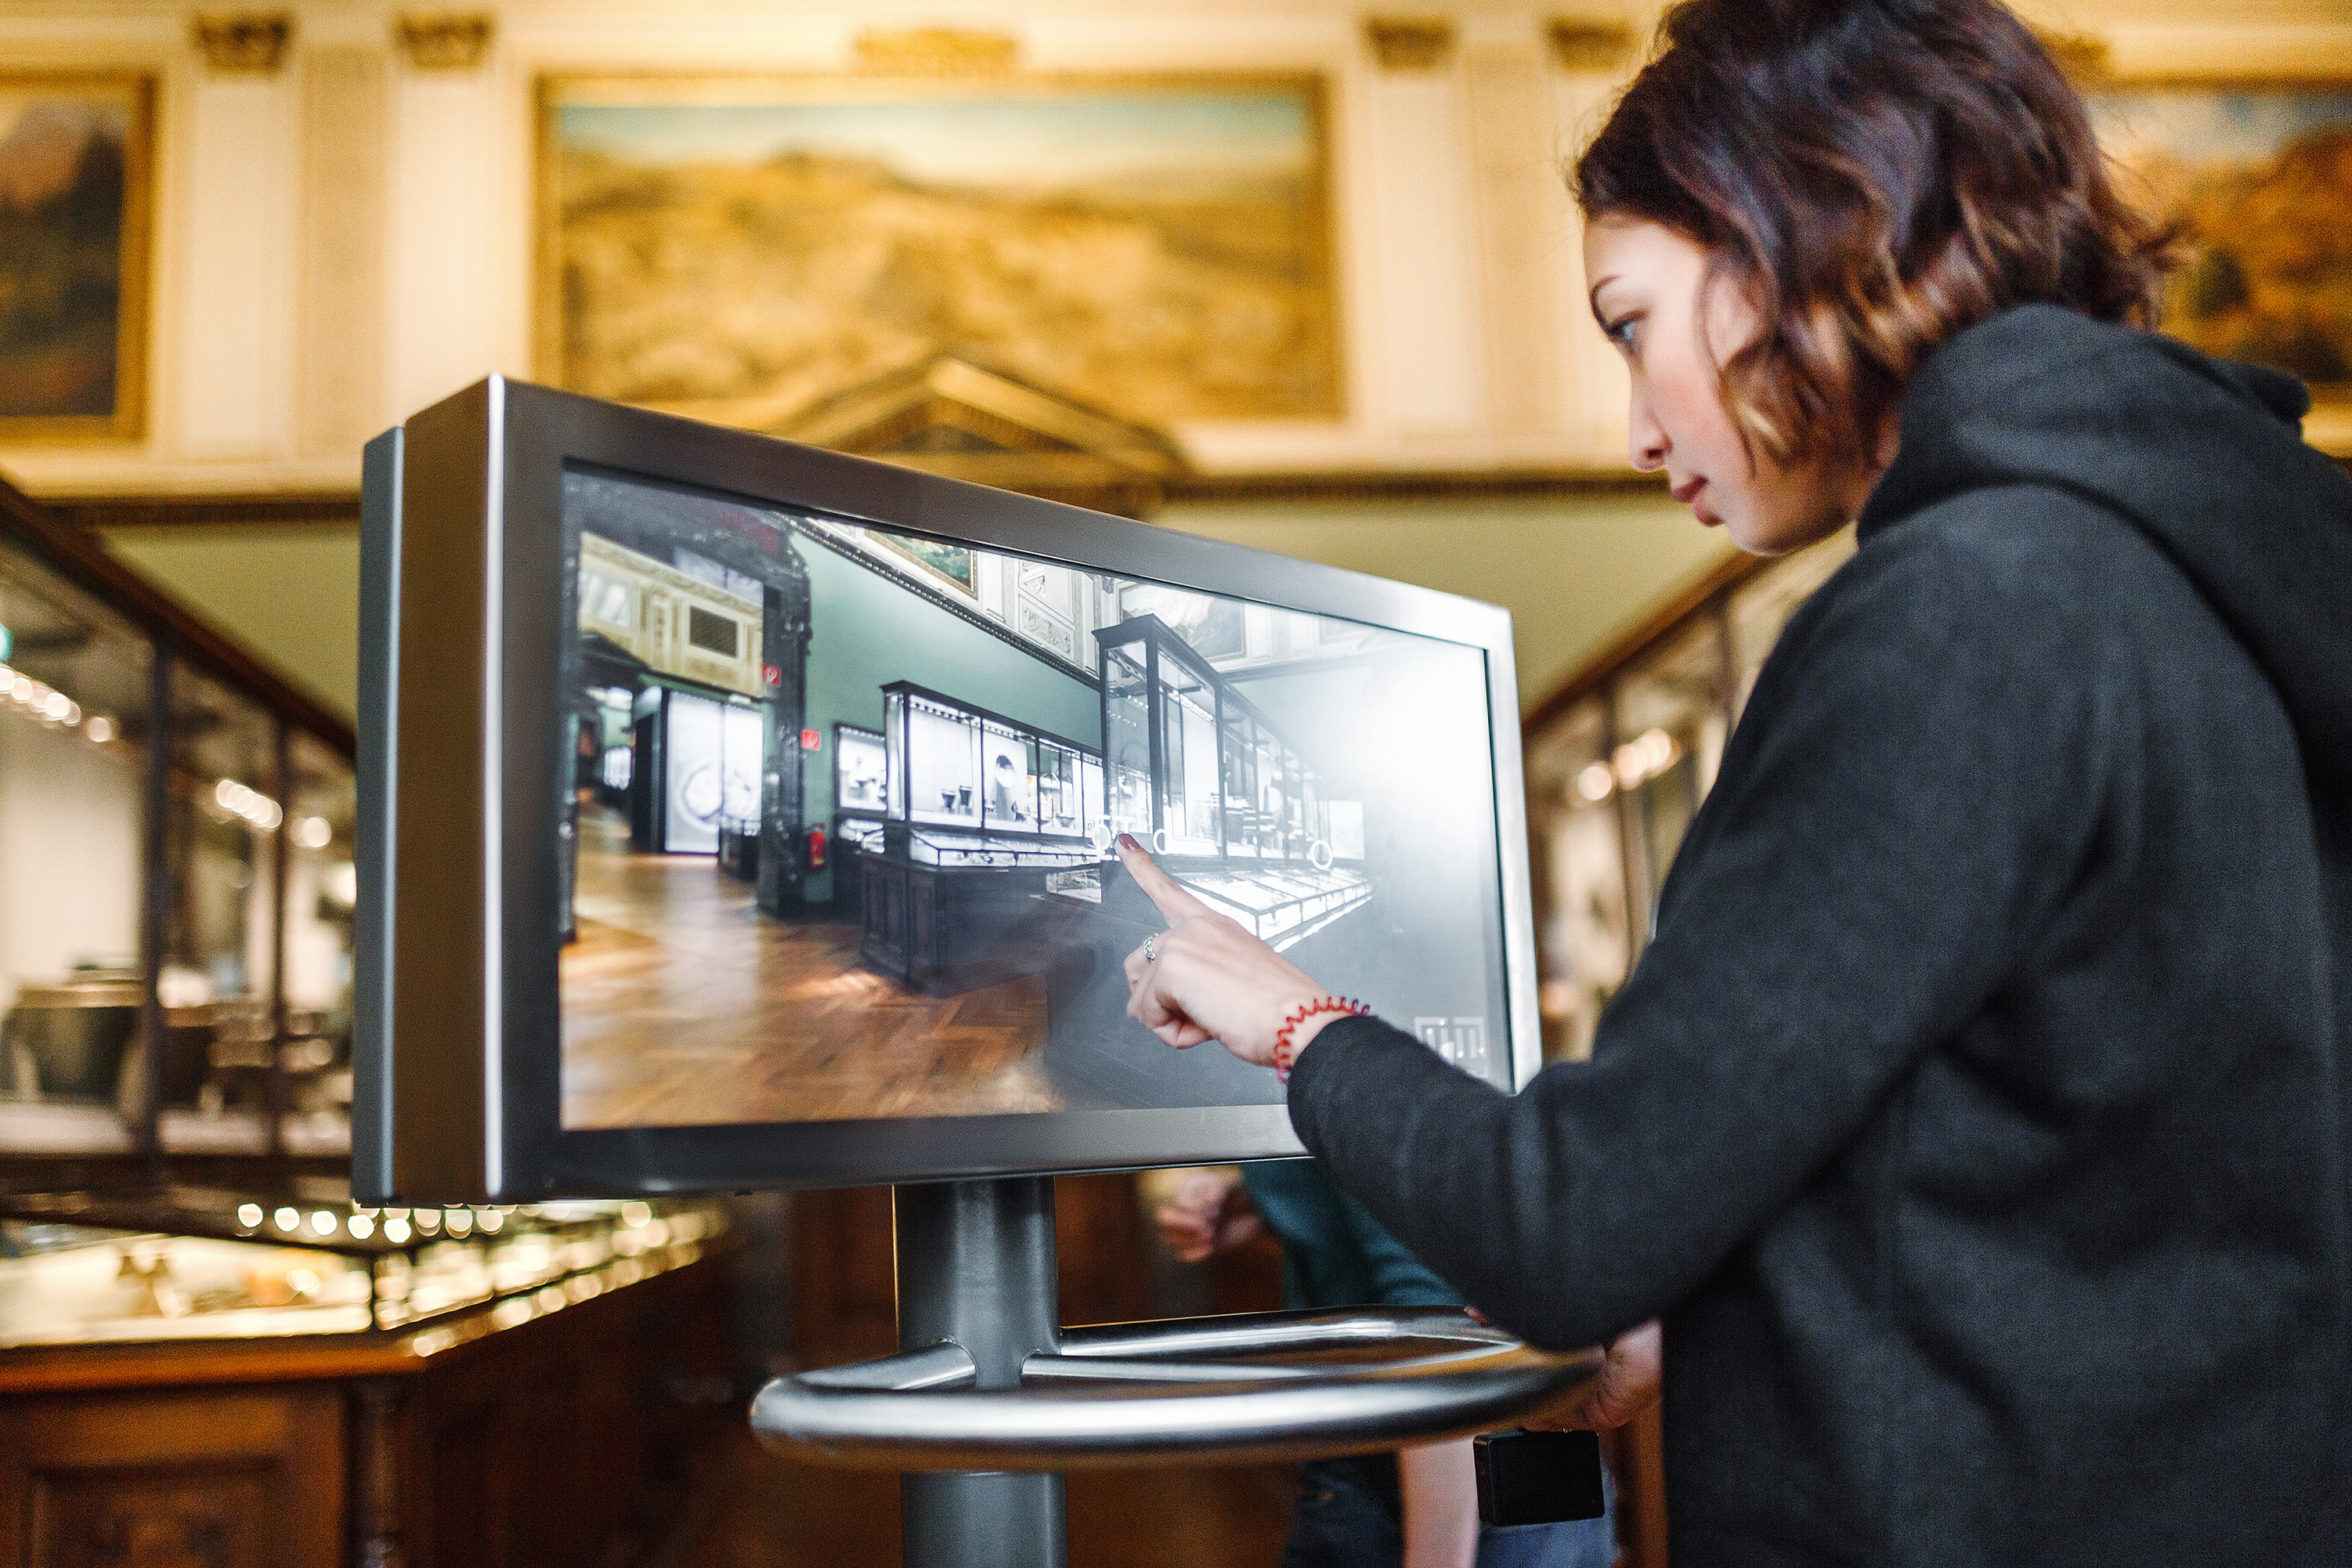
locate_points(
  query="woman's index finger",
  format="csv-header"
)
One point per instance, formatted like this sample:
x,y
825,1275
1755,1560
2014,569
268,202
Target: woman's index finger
x,y
1166,895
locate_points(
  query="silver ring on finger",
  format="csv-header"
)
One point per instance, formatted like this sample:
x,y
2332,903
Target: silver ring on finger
x,y
1149,955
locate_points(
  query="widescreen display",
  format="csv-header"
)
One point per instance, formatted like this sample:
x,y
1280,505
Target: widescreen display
x,y
841,821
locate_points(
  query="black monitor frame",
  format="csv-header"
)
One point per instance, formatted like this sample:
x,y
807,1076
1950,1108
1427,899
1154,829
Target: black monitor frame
x,y
457,1050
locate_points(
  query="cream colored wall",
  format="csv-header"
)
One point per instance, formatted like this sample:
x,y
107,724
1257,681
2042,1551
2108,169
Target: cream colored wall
x,y
289,592
1575,574
348,239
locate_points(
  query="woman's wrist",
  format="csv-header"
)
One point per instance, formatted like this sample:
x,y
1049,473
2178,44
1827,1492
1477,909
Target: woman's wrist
x,y
1304,1022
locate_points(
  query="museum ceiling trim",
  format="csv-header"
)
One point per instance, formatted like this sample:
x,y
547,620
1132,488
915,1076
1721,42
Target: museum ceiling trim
x,y
341,509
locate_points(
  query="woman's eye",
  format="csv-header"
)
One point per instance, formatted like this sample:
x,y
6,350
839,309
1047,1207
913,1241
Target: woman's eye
x,y
1624,333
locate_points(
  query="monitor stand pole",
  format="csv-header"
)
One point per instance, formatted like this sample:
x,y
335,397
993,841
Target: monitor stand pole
x,y
976,1265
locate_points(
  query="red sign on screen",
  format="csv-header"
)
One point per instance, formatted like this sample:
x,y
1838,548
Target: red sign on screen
x,y
811,741
772,674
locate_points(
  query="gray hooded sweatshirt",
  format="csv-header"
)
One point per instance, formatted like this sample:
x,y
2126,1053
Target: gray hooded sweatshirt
x,y
1978,1118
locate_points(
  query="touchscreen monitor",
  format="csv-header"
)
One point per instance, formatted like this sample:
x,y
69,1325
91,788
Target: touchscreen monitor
x,y
1326,781
813,771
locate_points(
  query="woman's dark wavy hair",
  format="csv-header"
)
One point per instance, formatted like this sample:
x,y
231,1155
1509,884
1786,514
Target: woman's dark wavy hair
x,y
1875,175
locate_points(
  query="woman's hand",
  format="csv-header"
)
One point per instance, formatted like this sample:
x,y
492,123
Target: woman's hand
x,y
1205,978
1628,1385
1211,1213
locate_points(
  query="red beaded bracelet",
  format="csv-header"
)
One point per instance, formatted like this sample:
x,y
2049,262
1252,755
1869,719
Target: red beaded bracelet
x,y
1283,1054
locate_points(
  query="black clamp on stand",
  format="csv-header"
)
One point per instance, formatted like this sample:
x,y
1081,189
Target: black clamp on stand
x,y
989,1398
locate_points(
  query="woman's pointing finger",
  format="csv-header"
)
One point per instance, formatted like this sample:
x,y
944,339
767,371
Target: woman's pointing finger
x,y
1171,899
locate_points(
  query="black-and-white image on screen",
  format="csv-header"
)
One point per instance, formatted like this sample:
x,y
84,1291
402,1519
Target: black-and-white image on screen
x,y
844,802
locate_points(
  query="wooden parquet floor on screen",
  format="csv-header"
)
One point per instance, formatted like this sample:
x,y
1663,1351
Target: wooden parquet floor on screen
x,y
683,1005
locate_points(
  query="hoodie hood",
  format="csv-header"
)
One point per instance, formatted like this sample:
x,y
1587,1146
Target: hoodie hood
x,y
2205,457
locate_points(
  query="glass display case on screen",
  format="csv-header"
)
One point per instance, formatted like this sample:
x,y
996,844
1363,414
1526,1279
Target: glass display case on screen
x,y
861,766
1220,781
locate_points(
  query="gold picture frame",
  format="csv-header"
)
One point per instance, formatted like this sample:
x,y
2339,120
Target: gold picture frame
x,y
2254,170
74,309
951,566
737,247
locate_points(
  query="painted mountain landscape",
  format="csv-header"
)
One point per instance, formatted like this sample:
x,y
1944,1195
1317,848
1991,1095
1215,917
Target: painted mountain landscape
x,y
63,156
1160,251
2271,171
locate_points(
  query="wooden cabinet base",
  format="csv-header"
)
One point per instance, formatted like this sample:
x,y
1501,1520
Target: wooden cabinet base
x,y
567,1440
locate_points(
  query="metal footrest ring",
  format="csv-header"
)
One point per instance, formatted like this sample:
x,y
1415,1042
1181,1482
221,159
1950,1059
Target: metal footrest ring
x,y
1131,1395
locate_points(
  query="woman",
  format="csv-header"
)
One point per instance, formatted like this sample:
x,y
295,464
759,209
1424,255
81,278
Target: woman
x,y
1977,1118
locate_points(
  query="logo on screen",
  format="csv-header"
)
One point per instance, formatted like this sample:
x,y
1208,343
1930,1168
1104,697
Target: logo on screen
x,y
1461,1041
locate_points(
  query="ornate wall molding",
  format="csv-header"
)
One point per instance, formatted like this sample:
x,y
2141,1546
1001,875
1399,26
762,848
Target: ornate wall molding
x,y
1410,43
444,40
936,51
1589,43
244,43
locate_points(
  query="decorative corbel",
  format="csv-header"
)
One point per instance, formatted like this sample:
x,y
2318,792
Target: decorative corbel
x,y
1589,42
444,40
1410,43
244,43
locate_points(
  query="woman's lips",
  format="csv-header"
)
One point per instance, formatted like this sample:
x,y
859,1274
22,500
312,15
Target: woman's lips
x,y
1687,492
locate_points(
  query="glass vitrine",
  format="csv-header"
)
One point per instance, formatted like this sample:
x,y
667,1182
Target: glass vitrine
x,y
1061,795
1190,797
322,892
196,1264
74,727
1584,942
1758,608
934,759
1010,803
1618,764
1127,736
1671,721
960,767
175,873
861,763
1196,770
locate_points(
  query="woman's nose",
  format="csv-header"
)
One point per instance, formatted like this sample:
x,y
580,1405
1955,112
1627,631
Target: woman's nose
x,y
1645,443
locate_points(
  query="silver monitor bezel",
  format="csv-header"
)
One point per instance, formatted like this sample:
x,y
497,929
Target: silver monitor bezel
x,y
457,1053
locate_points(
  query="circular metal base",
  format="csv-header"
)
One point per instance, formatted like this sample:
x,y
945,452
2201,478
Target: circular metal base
x,y
1267,1385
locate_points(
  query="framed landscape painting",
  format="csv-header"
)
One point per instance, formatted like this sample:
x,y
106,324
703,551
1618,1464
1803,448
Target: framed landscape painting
x,y
736,249
2260,177
75,156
